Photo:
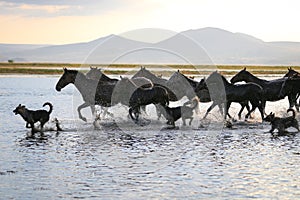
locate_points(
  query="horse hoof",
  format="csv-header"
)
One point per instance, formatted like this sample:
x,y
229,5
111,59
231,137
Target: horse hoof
x,y
83,119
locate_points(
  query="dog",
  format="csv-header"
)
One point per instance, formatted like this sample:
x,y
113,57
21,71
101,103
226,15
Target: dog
x,y
185,112
282,123
33,116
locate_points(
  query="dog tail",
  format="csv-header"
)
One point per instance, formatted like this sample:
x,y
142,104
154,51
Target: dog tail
x,y
294,113
50,105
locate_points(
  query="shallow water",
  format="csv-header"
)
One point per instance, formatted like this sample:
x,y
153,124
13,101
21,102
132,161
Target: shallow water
x,y
122,160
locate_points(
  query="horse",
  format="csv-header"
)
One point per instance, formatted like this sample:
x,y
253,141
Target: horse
x,y
93,92
96,74
202,92
223,92
271,89
293,74
136,96
291,86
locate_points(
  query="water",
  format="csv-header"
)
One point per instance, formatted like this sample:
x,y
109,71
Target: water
x,y
129,162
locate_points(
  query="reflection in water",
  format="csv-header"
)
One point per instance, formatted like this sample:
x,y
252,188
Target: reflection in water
x,y
80,162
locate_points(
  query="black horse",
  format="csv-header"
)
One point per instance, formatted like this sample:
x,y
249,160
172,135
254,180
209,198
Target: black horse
x,y
223,92
139,96
291,74
290,87
271,89
93,92
204,96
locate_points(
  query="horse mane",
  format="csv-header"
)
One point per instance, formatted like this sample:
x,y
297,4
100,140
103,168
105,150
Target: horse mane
x,y
190,80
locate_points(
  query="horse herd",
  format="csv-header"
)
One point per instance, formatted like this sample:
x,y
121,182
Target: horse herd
x,y
145,88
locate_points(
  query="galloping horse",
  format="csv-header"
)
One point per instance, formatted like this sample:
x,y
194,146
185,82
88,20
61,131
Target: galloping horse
x,y
136,96
93,92
291,86
271,89
284,90
204,96
223,92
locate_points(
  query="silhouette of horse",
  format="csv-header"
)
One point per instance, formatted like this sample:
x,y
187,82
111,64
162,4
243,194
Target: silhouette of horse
x,y
292,74
223,92
97,74
93,92
204,96
138,96
271,89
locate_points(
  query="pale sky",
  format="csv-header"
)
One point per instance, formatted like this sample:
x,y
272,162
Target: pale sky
x,y
71,21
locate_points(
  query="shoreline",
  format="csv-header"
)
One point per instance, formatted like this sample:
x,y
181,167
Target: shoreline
x,y
56,69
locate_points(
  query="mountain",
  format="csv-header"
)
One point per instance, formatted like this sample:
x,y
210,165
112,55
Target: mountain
x,y
200,46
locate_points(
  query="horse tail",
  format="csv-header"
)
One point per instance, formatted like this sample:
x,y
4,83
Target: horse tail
x,y
292,110
50,105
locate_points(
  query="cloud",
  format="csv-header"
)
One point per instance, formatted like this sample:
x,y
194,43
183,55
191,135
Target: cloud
x,y
54,8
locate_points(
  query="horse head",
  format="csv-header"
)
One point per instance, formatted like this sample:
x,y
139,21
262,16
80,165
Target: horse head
x,y
291,72
68,76
240,76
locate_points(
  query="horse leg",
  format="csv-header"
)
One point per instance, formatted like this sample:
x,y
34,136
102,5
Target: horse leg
x,y
137,113
263,103
158,112
209,109
84,105
241,110
293,101
227,109
261,110
93,110
183,121
221,109
256,104
191,119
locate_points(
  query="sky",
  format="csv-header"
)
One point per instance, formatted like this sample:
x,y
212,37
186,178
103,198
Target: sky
x,y
72,21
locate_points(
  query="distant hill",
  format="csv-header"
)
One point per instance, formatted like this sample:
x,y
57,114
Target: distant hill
x,y
201,46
